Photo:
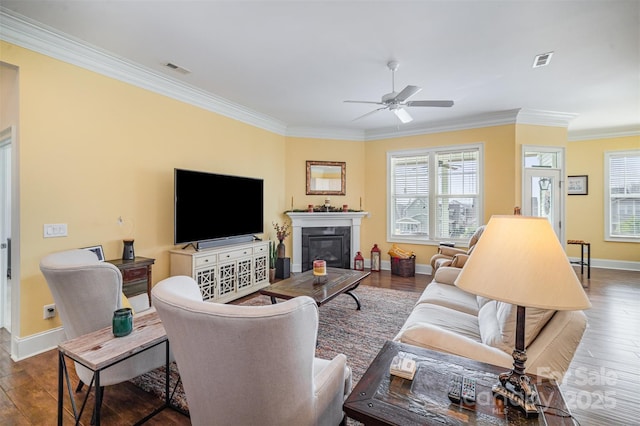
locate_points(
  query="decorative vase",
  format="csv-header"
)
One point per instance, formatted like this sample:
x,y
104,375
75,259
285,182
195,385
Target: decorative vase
x,y
281,249
272,275
127,252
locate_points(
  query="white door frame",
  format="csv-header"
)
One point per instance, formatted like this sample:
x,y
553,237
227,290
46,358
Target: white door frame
x,y
558,173
6,137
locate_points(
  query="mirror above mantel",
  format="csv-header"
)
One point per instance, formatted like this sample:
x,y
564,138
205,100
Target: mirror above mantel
x,y
326,178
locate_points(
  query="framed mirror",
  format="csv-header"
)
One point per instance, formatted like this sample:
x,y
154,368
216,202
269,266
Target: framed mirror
x,y
326,177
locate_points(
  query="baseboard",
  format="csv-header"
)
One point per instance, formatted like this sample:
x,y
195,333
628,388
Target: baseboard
x,y
22,348
626,265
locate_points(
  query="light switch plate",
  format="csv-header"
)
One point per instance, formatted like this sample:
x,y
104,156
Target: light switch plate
x,y
53,230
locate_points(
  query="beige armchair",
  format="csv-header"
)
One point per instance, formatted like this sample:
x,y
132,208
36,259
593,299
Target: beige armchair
x,y
454,257
250,365
86,292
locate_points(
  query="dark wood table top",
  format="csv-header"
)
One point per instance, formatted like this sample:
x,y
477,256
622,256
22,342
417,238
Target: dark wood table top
x,y
336,282
382,399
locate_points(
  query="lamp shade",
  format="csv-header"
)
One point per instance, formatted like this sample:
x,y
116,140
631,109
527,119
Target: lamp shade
x,y
519,260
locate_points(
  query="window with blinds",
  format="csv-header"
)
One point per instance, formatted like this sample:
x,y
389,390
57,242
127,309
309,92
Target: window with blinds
x,y
434,194
622,196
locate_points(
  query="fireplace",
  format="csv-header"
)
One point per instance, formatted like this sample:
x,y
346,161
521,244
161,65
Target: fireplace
x,y
303,220
329,243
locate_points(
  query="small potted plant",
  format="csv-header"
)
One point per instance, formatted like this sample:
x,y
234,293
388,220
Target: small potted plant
x,y
282,232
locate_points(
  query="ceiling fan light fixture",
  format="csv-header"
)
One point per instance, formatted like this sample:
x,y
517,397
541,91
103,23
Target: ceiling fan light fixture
x,y
402,115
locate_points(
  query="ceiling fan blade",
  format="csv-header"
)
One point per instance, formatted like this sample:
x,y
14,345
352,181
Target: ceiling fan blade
x,y
403,115
369,113
406,93
444,104
365,102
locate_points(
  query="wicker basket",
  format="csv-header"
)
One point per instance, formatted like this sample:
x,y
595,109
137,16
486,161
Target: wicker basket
x,y
403,267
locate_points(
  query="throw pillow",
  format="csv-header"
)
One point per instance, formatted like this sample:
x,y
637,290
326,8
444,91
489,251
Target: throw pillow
x,y
535,320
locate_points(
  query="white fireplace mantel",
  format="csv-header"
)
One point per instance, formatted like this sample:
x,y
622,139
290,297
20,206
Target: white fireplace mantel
x,y
321,219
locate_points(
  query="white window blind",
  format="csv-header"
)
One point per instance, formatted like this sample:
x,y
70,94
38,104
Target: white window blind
x,y
434,194
622,186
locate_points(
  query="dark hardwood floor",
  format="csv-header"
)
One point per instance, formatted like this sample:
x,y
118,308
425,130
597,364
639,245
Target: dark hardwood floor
x,y
602,388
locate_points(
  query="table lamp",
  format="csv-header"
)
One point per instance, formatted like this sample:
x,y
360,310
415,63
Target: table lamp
x,y
519,260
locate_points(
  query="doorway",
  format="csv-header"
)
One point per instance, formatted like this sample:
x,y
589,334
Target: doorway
x,y
542,192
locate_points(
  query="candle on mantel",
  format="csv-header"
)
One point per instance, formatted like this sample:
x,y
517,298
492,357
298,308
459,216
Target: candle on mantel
x,y
292,203
360,203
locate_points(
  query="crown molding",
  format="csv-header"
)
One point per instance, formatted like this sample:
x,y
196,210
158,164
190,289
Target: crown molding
x,y
498,118
321,133
610,133
32,35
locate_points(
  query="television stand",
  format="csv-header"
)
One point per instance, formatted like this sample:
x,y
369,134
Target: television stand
x,y
224,273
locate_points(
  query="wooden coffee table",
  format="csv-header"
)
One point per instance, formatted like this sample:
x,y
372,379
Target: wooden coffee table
x,y
336,282
382,399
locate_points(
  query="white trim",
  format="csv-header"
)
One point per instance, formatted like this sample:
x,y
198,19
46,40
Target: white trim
x,y
35,344
585,135
624,265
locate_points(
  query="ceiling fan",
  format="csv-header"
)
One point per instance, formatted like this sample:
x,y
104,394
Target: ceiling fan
x,y
396,102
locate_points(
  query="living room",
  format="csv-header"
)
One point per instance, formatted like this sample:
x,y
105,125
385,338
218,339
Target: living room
x,y
98,154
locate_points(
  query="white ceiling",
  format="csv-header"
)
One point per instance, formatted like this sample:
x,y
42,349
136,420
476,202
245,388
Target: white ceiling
x,y
297,61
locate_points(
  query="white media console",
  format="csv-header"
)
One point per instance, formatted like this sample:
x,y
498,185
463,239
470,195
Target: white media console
x,y
227,272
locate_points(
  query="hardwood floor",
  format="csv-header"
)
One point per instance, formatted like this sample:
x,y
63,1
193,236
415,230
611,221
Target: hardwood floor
x,y
602,387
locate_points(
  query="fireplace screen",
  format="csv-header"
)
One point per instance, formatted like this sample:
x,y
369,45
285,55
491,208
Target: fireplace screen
x,y
331,244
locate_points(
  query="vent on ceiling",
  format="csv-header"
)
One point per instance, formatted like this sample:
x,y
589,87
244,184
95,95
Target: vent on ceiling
x,y
177,68
542,60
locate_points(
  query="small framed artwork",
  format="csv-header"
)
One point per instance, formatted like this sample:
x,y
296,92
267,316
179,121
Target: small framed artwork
x,y
578,185
98,251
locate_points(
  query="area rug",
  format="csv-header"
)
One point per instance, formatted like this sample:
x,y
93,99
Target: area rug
x,y
342,329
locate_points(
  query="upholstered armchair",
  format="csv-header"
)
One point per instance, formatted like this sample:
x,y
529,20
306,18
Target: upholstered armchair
x,y
250,365
86,292
452,256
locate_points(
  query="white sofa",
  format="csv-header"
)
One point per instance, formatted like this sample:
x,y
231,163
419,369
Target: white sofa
x,y
448,319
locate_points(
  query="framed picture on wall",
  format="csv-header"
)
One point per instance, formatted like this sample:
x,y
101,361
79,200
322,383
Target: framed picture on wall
x,y
578,185
98,251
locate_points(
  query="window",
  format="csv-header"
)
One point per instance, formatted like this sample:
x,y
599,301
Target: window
x,y
622,196
434,194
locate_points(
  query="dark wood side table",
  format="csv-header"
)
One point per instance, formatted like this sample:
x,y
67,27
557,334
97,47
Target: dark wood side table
x,y
136,275
382,399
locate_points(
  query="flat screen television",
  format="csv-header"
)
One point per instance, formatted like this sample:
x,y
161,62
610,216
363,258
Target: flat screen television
x,y
215,207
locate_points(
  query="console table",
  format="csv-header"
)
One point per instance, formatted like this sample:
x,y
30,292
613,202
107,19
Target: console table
x,y
136,275
227,272
382,399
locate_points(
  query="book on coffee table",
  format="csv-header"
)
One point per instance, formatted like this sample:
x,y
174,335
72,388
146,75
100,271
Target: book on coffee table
x,y
403,366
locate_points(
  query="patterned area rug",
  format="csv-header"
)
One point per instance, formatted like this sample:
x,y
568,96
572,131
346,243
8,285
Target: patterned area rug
x,y
342,329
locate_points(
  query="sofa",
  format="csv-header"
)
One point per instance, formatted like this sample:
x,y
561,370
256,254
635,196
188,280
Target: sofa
x,y
448,319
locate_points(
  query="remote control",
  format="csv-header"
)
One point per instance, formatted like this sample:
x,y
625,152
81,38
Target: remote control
x,y
468,391
455,388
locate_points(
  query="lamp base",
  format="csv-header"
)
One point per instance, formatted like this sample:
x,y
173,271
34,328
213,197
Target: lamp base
x,y
518,390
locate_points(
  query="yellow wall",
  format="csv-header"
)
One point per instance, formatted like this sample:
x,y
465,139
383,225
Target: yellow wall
x,y
93,149
585,213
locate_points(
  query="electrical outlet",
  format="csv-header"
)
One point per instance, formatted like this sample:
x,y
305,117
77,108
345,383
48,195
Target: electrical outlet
x,y
48,311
